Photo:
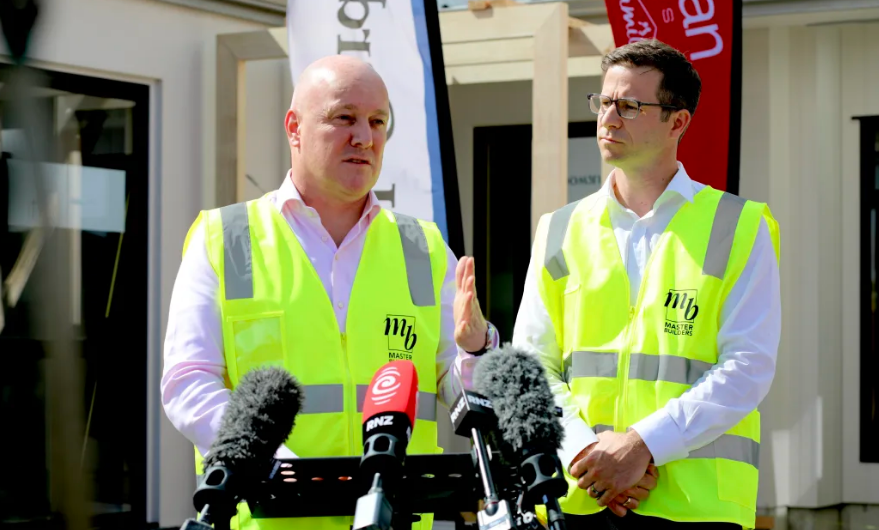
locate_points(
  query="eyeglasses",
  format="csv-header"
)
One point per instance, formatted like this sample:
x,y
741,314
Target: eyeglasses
x,y
626,107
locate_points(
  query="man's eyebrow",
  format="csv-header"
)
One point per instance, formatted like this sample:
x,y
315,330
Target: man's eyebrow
x,y
351,107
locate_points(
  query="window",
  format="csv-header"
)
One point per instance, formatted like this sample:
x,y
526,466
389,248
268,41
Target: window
x,y
869,238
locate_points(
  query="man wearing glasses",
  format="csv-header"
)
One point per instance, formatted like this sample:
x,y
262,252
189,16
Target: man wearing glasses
x,y
654,305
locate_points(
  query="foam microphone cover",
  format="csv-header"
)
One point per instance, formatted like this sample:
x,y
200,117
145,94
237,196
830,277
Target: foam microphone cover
x,y
258,418
516,384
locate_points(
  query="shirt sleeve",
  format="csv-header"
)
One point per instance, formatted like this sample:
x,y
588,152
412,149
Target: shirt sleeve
x,y
747,340
194,393
534,334
454,365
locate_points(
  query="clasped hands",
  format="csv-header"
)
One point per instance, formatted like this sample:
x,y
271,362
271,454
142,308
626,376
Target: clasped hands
x,y
616,470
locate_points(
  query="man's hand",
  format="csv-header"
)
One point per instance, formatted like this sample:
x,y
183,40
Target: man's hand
x,y
613,468
470,325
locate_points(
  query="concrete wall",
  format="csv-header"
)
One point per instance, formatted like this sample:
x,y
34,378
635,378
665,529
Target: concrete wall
x,y
172,50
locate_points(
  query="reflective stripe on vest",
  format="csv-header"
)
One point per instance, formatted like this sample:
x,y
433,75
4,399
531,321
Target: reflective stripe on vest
x,y
719,244
728,446
323,399
238,265
669,368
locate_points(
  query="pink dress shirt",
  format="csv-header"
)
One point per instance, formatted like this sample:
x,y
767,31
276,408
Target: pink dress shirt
x,y
193,392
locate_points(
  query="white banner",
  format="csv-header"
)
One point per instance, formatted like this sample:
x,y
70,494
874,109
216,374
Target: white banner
x,y
391,35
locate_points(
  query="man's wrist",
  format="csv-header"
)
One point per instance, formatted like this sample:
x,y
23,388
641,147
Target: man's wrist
x,y
490,333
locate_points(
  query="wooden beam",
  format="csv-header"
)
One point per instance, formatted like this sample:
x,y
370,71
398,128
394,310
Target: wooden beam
x,y
254,45
493,24
489,52
516,71
521,49
549,144
230,125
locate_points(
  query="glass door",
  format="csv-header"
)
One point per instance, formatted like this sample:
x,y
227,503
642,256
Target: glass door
x,y
87,138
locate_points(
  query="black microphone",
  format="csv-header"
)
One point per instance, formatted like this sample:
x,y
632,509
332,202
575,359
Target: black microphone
x,y
473,416
389,412
258,418
516,384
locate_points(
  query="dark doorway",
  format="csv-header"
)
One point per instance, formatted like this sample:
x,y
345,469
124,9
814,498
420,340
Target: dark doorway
x,y
93,137
502,210
869,245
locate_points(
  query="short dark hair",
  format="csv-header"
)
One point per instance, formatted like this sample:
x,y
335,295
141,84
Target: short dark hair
x,y
680,85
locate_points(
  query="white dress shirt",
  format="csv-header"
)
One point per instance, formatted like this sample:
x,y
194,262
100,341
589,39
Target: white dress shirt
x,y
748,337
193,392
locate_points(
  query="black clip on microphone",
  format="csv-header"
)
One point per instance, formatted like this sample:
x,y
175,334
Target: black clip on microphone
x,y
471,413
214,500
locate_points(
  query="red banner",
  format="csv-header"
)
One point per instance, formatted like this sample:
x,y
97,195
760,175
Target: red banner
x,y
709,33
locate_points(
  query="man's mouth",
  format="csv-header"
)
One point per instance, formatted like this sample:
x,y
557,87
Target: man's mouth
x,y
357,160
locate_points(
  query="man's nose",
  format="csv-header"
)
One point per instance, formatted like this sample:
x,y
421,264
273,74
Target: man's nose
x,y
361,135
610,118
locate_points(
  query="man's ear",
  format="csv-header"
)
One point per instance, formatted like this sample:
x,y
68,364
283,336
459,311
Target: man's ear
x,y
291,124
680,122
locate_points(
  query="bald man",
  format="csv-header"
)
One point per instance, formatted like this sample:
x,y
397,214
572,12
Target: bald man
x,y
318,278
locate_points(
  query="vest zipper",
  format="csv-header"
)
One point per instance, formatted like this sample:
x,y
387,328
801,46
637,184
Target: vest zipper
x,y
350,401
625,352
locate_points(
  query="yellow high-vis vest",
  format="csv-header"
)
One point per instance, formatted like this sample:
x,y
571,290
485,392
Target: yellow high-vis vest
x,y
624,362
276,312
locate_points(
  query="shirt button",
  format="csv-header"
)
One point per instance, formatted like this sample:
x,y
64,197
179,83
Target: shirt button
x,y
336,257
324,239
340,304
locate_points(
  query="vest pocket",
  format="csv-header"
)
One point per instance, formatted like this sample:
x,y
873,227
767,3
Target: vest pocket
x,y
257,340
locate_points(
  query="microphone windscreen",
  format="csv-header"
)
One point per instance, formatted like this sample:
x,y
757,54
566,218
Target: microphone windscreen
x,y
258,418
516,384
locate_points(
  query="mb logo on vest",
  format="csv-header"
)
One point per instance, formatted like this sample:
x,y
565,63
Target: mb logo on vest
x,y
401,338
680,311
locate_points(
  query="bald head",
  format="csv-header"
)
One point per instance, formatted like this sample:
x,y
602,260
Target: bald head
x,y
334,72
337,127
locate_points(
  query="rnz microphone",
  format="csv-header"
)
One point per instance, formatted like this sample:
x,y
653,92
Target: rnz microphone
x,y
258,418
472,414
516,384
388,418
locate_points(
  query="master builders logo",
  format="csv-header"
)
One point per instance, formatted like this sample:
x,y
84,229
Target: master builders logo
x,y
681,311
639,23
399,329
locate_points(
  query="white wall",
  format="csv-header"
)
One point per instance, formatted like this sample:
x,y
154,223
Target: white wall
x,y
802,86
173,50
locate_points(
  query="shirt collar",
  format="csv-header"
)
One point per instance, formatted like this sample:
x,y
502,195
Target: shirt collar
x,y
289,194
680,184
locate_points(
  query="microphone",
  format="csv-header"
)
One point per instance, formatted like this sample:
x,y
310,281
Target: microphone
x,y
472,414
516,384
259,417
388,419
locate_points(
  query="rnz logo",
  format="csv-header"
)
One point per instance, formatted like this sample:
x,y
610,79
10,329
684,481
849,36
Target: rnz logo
x,y
381,421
